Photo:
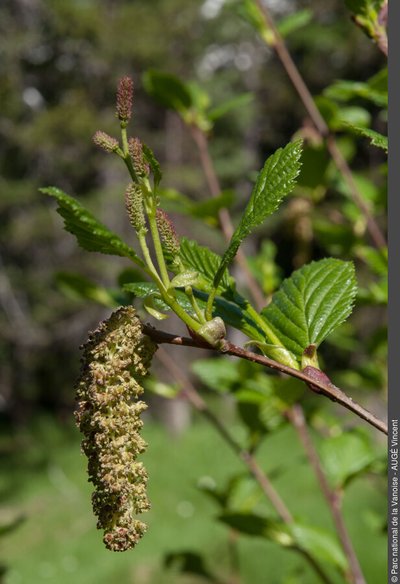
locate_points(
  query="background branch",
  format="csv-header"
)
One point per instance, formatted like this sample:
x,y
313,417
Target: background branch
x,y
307,99
296,416
190,392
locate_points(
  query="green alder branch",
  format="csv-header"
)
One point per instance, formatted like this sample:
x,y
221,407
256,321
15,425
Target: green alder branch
x,y
315,379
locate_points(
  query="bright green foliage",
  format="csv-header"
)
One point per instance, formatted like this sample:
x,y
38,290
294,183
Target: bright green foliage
x,y
189,100
366,14
217,374
173,200
147,290
80,288
230,312
316,542
294,21
346,456
320,544
188,278
312,303
234,311
375,138
337,117
374,90
229,105
189,563
168,90
275,181
90,233
205,262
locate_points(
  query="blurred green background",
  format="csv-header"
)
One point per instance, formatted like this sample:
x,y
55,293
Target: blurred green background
x,y
60,62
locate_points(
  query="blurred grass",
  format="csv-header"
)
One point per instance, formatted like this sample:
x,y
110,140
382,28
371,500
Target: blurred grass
x,y
58,542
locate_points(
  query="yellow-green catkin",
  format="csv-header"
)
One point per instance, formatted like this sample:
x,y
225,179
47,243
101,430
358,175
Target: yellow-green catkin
x,y
134,207
115,360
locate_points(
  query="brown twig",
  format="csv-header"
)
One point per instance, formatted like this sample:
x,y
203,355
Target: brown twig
x,y
320,124
224,216
296,417
318,386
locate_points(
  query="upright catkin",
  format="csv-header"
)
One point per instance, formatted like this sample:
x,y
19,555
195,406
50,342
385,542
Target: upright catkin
x,y
115,359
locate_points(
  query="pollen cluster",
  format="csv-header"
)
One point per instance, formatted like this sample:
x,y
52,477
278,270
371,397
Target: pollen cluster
x,y
115,359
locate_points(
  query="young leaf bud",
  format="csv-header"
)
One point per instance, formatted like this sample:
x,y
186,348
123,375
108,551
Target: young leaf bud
x,y
124,100
106,142
167,232
134,207
318,375
142,169
115,359
213,332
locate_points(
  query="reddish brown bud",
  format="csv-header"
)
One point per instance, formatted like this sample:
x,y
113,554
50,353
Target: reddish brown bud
x,y
124,99
317,375
136,151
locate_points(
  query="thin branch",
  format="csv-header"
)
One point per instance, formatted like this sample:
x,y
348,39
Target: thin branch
x,y
320,124
247,458
318,386
197,401
296,417
224,216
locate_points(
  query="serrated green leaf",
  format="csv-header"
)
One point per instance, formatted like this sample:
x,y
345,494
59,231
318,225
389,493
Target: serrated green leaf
x,y
188,278
346,456
217,374
149,306
294,21
204,261
312,303
162,389
146,289
153,163
209,208
376,259
319,544
190,563
344,91
80,288
90,233
233,103
375,138
274,182
233,312
256,525
168,90
353,115
140,289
